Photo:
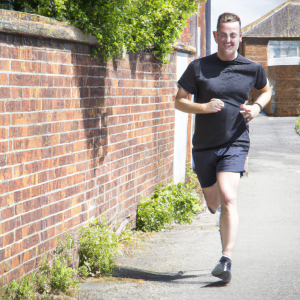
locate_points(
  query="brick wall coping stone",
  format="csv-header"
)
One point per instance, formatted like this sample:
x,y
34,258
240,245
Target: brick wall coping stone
x,y
185,48
40,26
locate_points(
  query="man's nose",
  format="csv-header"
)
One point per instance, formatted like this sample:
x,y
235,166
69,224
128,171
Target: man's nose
x,y
228,39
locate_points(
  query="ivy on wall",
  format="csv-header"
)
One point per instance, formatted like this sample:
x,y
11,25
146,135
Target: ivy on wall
x,y
120,25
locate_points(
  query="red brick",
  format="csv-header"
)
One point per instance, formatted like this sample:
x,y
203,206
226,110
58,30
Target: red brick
x,y
8,239
31,241
4,92
4,65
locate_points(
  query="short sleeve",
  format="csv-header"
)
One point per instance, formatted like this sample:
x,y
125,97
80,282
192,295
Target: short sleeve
x,y
187,80
261,78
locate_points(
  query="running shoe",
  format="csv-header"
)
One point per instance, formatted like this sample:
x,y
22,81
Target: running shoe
x,y
222,270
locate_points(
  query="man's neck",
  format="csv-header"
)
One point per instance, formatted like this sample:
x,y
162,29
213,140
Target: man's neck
x,y
227,58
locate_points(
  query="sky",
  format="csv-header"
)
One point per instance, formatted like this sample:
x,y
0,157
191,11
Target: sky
x,y
248,10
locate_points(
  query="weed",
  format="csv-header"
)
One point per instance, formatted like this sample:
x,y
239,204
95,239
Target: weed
x,y
23,290
56,275
98,247
53,278
177,203
298,125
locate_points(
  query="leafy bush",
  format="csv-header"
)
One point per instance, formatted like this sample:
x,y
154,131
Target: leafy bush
x,y
177,203
24,290
121,25
153,214
298,125
98,247
56,276
192,182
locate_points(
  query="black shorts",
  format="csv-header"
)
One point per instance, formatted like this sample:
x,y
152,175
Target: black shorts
x,y
208,163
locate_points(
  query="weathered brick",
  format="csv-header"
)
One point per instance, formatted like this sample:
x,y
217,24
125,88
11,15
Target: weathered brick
x,y
31,241
3,79
4,92
4,65
25,66
8,239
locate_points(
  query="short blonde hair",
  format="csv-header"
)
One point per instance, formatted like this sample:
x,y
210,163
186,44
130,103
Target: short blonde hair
x,y
226,18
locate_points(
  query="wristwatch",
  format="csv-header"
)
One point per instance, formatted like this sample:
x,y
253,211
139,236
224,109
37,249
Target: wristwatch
x,y
259,106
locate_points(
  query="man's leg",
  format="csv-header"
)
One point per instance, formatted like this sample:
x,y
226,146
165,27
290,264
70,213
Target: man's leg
x,y
224,192
212,197
227,184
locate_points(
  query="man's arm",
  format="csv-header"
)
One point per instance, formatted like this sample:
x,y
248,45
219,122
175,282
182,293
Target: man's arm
x,y
185,105
264,96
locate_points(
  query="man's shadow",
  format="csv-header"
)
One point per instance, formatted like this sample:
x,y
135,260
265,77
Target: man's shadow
x,y
139,274
217,284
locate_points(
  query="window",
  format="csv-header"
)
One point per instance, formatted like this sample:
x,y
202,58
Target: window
x,y
283,53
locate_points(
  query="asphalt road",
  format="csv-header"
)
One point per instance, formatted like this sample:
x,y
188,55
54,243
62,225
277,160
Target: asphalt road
x,y
266,262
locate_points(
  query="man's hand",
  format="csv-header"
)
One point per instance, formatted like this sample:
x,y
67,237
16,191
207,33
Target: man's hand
x,y
187,106
249,111
214,106
263,96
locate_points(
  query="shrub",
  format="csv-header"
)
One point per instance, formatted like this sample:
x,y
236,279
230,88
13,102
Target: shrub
x,y
53,277
24,290
98,247
121,25
177,203
153,214
192,182
56,275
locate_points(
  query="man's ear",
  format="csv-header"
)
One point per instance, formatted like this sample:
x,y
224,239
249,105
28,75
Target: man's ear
x,y
215,33
241,36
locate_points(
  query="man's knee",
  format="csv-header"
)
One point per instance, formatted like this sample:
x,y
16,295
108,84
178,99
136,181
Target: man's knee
x,y
211,210
228,200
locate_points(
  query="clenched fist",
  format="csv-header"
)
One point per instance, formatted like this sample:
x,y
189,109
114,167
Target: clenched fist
x,y
214,105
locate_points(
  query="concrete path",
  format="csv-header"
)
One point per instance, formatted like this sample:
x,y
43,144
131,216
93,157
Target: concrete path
x,y
266,262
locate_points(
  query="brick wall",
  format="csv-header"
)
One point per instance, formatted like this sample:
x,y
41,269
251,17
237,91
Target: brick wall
x,y
285,85
256,49
79,138
186,36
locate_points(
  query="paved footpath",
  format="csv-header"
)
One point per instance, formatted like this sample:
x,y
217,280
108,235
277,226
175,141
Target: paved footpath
x,y
176,264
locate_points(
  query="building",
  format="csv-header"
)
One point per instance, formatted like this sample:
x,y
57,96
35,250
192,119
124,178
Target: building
x,y
274,42
192,45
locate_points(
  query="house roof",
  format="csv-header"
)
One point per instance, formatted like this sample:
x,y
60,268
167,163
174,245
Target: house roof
x,y
283,21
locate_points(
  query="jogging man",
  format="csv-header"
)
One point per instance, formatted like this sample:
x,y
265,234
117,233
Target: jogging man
x,y
221,139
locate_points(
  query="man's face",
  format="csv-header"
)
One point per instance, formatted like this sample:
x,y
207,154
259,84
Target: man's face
x,y
228,38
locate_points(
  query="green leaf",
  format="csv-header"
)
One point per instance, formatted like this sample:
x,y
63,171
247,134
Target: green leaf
x,y
133,24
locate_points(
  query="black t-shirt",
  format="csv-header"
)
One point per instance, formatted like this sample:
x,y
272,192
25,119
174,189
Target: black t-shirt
x,y
231,81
